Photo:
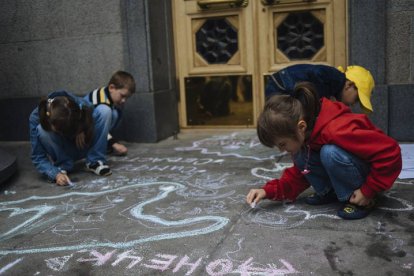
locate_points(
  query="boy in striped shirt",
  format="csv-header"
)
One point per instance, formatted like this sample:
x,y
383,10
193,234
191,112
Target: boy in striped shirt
x,y
109,101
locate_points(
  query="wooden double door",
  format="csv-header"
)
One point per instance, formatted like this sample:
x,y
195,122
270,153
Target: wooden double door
x,y
226,49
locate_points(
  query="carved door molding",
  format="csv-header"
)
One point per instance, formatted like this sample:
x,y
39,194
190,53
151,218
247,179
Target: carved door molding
x,y
225,49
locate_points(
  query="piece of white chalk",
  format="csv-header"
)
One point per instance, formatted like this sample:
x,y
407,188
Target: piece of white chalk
x,y
253,204
70,183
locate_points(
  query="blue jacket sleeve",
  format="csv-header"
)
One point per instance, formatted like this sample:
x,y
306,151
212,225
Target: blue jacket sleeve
x,y
328,80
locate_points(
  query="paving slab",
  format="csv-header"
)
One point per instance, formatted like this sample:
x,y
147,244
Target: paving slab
x,y
177,207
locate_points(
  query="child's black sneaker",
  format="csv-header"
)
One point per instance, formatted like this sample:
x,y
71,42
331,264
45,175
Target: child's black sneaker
x,y
99,168
352,211
316,199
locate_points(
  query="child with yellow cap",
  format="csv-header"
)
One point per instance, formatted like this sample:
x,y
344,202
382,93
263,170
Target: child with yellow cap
x,y
355,84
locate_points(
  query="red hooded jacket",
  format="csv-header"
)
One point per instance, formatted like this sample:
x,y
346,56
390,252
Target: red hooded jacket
x,y
355,133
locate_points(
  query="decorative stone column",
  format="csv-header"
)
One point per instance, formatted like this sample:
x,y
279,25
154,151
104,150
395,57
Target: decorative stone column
x,y
151,114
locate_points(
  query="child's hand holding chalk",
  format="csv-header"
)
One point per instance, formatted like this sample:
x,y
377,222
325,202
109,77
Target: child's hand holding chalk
x,y
254,196
62,179
70,183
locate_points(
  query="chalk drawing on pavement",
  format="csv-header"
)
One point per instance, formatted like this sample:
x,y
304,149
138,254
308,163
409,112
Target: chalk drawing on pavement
x,y
290,215
40,207
398,204
175,264
249,267
233,145
269,174
208,187
283,215
57,263
10,265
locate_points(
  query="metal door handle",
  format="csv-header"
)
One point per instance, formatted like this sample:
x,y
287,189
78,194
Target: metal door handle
x,y
207,4
275,2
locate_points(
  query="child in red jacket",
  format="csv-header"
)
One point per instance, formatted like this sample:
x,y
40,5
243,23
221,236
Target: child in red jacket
x,y
342,155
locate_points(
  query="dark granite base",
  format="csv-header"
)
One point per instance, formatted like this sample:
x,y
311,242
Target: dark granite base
x,y
8,165
14,114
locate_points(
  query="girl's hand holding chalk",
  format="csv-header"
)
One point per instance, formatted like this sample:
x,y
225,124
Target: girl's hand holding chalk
x,y
70,183
254,196
62,179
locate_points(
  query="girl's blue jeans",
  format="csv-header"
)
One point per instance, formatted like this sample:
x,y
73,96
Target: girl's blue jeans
x,y
63,152
333,168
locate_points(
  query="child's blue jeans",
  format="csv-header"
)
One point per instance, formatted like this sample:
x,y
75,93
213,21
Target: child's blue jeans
x,y
63,152
333,168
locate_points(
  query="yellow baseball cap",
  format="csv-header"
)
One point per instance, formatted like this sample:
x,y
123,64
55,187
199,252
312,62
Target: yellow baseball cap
x,y
363,81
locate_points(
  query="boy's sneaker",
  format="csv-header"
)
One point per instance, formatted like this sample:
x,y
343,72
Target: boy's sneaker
x,y
99,168
316,199
352,211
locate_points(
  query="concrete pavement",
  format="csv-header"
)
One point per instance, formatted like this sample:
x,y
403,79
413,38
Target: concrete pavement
x,y
177,208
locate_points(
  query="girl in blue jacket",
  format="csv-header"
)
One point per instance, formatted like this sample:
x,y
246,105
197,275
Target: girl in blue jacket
x,y
65,128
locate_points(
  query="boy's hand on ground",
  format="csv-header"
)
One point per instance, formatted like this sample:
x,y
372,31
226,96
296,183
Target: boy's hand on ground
x,y
62,179
255,195
119,149
359,199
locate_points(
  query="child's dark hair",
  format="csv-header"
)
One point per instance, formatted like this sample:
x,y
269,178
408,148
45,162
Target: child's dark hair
x,y
281,114
122,79
67,117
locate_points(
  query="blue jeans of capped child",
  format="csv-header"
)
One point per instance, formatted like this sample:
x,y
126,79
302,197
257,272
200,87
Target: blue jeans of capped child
x,y
64,152
333,168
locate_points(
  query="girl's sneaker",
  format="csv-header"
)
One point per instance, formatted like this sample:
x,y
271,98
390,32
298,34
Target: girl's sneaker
x,y
99,168
352,211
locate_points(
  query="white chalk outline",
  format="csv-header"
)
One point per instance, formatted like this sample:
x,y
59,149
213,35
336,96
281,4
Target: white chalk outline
x,y
310,214
166,188
197,145
10,265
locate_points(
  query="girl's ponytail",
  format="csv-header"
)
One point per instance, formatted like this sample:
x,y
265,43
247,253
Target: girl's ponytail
x,y
87,123
306,93
282,113
43,114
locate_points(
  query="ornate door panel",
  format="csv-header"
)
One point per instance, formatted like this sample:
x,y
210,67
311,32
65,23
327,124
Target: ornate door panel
x,y
225,49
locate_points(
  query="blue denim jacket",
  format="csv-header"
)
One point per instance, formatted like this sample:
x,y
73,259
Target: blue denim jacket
x,y
327,80
39,155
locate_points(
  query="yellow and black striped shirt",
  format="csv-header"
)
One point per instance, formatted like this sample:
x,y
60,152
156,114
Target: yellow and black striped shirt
x,y
100,96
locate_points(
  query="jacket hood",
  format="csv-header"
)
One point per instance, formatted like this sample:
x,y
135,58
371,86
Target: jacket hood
x,y
329,111
78,100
